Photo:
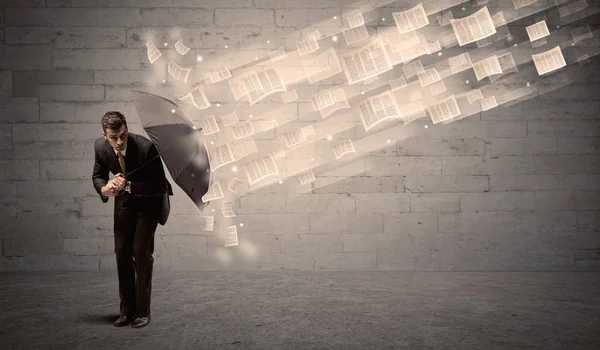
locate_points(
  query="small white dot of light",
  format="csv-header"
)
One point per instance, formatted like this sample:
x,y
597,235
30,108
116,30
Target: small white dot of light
x,y
212,142
234,169
172,111
388,141
527,83
362,92
467,81
509,38
218,105
199,58
280,182
241,224
572,44
164,81
334,38
166,44
194,127
439,53
250,116
334,17
268,41
383,19
426,126
312,159
256,58
213,210
463,8
226,46
557,27
329,137
515,45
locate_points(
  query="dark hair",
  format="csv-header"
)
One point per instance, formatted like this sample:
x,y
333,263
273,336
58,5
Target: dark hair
x,y
113,120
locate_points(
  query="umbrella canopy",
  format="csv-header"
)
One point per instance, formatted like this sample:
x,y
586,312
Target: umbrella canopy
x,y
178,142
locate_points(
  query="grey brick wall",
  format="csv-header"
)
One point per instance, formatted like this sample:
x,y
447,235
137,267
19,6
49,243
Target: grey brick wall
x,y
512,188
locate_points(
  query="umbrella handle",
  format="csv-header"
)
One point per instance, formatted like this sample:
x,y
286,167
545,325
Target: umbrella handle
x,y
143,165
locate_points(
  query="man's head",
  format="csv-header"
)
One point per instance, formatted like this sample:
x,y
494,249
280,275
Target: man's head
x,y
114,129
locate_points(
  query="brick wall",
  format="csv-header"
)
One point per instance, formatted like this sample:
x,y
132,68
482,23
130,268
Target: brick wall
x,y
511,188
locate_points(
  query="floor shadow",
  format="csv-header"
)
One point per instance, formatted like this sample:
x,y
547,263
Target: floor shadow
x,y
100,319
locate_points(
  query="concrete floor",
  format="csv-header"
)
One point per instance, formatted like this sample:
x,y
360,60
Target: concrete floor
x,y
307,310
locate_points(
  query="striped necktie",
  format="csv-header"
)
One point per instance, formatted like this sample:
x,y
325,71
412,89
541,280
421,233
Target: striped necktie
x,y
122,161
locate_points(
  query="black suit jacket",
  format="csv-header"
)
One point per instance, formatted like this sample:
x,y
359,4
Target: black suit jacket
x,y
149,181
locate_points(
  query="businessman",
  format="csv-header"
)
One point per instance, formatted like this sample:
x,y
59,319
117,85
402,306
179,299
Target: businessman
x,y
138,204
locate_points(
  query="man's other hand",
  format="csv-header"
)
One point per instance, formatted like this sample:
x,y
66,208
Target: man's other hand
x,y
119,181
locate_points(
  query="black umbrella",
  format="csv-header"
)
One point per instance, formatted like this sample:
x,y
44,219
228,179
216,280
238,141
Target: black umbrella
x,y
178,141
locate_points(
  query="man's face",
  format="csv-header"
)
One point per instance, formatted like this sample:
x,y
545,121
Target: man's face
x,y
117,137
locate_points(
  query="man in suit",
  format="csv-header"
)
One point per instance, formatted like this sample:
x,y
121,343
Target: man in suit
x,y
138,204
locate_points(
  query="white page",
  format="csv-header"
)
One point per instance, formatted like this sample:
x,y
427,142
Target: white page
x,y
214,192
537,31
230,119
231,236
429,77
178,72
221,156
340,102
356,20
474,95
354,35
366,62
322,66
460,63
306,177
196,97
377,109
581,32
487,67
181,48
277,55
449,40
412,111
227,209
306,46
242,130
411,19
234,185
444,110
342,148
474,27
243,148
437,88
215,75
152,52
209,223
398,83
488,103
549,61
572,7
209,125
261,168
433,47
413,69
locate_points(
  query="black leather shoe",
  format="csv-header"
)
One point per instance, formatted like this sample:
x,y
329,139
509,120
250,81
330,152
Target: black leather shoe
x,y
123,321
140,322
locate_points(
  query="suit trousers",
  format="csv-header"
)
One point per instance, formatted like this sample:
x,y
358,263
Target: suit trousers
x,y
135,222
